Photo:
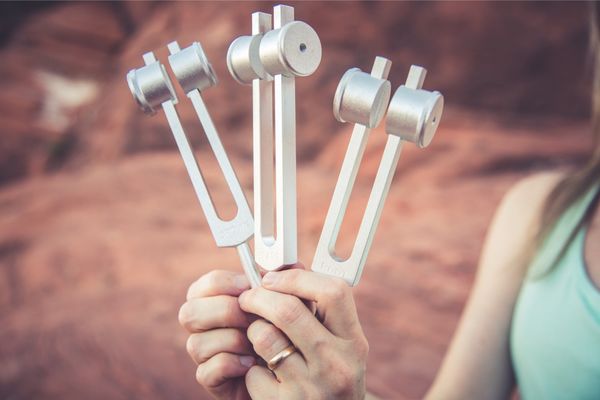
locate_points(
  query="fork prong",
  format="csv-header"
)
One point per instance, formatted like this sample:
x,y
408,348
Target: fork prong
x,y
351,269
151,87
325,260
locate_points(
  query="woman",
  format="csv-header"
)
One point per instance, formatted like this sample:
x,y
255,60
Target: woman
x,y
533,317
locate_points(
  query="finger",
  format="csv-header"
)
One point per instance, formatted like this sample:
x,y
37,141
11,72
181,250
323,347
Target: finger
x,y
297,265
333,297
268,341
204,345
300,266
289,314
222,367
261,384
206,313
218,282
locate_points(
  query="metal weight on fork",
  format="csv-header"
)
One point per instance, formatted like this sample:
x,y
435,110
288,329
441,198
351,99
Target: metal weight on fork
x,y
291,49
270,60
413,115
279,50
360,98
151,87
243,61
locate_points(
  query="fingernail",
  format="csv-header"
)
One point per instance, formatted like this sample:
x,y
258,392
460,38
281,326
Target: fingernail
x,y
247,361
269,278
241,282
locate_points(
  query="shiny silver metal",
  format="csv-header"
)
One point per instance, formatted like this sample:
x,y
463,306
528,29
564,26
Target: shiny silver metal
x,y
414,114
194,74
276,244
361,98
150,85
191,67
410,117
291,49
325,259
243,60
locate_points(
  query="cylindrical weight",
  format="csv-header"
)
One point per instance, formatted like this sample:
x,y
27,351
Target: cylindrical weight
x,y
192,69
150,86
293,50
414,115
243,60
361,98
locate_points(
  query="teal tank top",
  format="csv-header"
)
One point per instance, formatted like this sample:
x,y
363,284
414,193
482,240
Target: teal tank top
x,y
555,331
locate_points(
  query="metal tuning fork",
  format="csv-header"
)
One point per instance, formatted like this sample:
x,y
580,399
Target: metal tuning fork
x,y
270,59
413,115
151,88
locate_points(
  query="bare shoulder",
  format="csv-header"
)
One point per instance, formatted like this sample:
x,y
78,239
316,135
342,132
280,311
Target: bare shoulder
x,y
478,363
516,221
531,190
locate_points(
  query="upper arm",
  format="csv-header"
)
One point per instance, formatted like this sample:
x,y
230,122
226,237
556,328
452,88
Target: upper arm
x,y
477,364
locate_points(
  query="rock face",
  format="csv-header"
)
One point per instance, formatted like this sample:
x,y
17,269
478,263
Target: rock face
x,y
100,233
510,59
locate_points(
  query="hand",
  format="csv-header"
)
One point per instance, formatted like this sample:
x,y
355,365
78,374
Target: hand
x,y
218,342
332,350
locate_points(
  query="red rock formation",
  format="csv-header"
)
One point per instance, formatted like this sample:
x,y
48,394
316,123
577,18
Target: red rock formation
x,y
100,233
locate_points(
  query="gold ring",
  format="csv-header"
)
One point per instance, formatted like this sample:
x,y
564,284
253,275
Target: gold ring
x,y
279,357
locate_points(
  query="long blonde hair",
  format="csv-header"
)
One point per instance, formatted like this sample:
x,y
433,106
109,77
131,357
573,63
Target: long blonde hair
x,y
570,188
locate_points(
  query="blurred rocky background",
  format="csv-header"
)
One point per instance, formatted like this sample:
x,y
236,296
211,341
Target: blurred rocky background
x,y
100,231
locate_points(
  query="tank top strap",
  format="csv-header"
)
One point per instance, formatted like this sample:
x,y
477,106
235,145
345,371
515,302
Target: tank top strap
x,y
553,244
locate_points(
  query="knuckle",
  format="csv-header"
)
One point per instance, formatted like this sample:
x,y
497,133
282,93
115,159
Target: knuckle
x,y
265,337
196,349
231,310
338,290
191,290
306,391
288,312
362,347
289,275
213,278
197,287
202,375
190,346
343,379
194,289
239,340
320,345
207,283
246,299
358,346
209,375
184,315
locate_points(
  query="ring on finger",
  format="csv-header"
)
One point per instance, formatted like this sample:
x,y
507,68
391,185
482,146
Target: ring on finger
x,y
278,358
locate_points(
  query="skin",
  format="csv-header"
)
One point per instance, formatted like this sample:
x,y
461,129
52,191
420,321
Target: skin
x,y
592,253
228,321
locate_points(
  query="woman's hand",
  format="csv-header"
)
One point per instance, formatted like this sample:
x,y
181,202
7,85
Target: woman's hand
x,y
332,350
218,342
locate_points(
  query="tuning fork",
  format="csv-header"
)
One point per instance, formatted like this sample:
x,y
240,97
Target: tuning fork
x,y
151,87
413,115
270,59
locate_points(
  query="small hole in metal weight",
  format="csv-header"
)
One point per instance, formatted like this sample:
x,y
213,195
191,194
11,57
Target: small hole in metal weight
x,y
302,47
